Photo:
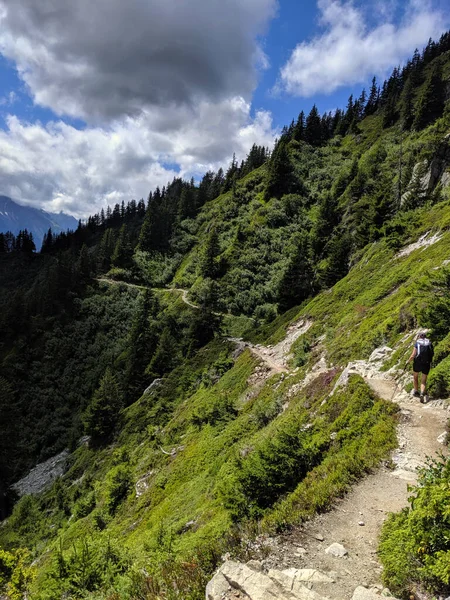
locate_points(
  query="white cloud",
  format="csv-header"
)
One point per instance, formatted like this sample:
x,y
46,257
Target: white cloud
x,y
104,59
59,167
164,87
348,51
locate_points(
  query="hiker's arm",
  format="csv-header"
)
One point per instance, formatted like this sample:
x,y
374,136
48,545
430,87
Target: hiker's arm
x,y
413,354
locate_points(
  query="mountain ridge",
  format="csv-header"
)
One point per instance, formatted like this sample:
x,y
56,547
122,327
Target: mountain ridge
x,y
15,217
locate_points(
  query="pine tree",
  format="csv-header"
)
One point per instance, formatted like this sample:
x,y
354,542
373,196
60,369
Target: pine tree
x,y
205,321
299,129
122,256
430,104
84,264
313,128
327,220
208,262
142,346
280,172
407,105
338,251
8,441
166,355
154,231
47,242
102,413
372,101
297,282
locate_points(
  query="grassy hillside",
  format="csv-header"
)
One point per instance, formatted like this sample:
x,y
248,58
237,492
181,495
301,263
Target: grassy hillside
x,y
222,445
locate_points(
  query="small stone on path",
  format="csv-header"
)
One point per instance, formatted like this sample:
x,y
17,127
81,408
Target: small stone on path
x,y
337,550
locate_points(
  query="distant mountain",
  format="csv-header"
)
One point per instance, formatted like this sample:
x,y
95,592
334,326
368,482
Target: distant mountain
x,y
14,217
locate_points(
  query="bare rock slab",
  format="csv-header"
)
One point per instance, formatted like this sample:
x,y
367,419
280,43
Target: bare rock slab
x,y
337,550
255,585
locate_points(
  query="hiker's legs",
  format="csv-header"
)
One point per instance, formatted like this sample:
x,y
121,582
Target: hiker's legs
x,y
423,385
416,381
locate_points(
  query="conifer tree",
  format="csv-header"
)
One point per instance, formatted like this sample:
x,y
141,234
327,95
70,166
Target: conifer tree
x,y
142,345
407,105
47,242
313,128
123,252
338,251
430,103
208,262
299,129
84,264
372,101
280,172
166,355
102,413
297,281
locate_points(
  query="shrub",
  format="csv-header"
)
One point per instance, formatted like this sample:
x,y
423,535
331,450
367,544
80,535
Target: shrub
x,y
118,484
415,543
439,380
15,573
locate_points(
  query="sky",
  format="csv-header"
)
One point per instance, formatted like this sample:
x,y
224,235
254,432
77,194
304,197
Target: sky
x,y
103,101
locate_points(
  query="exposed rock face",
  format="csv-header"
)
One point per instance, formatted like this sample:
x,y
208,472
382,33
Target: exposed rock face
x,y
153,386
42,475
426,176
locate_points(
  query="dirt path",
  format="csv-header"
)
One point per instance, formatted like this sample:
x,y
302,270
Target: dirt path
x,y
356,520
274,357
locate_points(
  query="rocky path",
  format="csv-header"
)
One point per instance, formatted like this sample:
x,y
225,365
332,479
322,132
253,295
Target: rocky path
x,y
275,358
334,555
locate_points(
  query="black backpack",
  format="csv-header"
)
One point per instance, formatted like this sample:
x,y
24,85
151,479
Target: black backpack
x,y
424,350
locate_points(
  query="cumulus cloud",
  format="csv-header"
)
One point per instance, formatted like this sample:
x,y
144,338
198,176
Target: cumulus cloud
x,y
59,167
104,59
348,51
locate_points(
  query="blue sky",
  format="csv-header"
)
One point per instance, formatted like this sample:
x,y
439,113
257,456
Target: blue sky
x,y
103,101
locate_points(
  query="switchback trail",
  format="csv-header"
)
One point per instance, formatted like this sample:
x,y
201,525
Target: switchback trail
x,y
273,357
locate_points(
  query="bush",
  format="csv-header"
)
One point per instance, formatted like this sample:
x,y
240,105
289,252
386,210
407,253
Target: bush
x,y
415,544
15,573
118,484
84,506
439,380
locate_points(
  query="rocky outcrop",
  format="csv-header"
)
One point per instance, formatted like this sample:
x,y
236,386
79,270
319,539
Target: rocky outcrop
x,y
427,175
43,474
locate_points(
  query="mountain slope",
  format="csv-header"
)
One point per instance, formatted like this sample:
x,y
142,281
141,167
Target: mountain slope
x,y
15,217
328,250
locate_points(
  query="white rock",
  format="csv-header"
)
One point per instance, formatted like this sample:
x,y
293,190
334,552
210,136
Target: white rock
x,y
337,550
309,575
289,580
362,593
217,587
256,585
442,439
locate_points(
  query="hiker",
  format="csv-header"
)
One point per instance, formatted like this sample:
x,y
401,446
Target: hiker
x,y
422,355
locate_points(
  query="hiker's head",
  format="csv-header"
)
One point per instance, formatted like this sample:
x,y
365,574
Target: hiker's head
x,y
422,335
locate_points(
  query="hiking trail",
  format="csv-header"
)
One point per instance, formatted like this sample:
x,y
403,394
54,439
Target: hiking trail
x,y
275,358
295,565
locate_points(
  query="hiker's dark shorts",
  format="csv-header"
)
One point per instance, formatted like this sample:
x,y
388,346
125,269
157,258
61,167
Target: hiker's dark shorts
x,y
421,367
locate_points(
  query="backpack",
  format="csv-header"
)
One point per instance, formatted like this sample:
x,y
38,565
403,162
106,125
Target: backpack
x,y
425,350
